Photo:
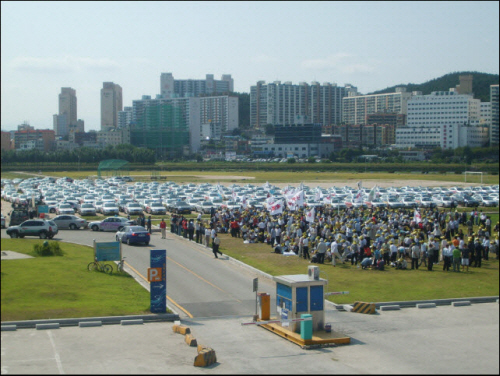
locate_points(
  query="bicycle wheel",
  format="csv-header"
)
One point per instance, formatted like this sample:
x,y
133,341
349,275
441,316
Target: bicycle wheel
x,y
92,266
107,269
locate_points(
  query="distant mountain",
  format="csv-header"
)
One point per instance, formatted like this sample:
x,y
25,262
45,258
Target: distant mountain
x,y
480,84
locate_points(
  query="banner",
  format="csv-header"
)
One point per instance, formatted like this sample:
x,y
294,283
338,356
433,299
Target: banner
x,y
276,208
416,217
310,215
371,195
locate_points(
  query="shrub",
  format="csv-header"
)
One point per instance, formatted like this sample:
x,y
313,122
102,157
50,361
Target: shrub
x,y
48,249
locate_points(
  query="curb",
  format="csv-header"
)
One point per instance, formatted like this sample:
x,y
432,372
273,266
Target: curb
x,y
84,322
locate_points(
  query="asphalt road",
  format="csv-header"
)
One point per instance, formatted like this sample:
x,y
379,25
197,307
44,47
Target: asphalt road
x,y
198,285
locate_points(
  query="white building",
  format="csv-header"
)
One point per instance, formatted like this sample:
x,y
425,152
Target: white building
x,y
111,104
446,119
444,136
356,108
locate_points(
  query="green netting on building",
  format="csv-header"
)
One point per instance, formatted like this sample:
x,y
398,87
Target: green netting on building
x,y
113,167
161,127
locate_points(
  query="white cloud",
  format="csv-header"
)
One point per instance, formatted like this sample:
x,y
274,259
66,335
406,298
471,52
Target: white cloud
x,y
342,61
62,64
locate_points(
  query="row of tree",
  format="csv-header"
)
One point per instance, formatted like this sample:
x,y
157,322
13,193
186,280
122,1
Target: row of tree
x,y
82,155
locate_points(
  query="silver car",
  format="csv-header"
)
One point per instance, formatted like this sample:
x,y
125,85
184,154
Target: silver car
x,y
71,222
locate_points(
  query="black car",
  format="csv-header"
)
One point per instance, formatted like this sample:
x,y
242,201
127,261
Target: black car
x,y
470,202
181,207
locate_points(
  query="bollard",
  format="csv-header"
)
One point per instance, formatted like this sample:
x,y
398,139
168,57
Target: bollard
x,y
205,357
190,340
181,329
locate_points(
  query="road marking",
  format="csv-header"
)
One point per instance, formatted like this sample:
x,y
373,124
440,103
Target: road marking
x,y
56,354
169,298
203,279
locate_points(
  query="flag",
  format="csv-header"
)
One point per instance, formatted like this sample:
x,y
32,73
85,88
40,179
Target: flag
x,y
244,202
319,195
233,195
269,202
371,195
416,217
360,185
327,199
359,196
298,198
310,215
276,208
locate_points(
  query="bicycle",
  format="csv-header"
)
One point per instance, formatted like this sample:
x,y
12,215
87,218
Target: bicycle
x,y
120,265
101,267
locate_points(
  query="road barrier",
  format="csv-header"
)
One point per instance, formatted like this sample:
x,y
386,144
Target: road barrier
x,y
362,307
181,329
275,321
206,356
190,340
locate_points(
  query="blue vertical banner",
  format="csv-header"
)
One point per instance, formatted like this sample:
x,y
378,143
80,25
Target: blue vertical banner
x,y
157,276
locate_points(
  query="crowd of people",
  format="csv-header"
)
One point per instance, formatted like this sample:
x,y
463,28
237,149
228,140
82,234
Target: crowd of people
x,y
371,237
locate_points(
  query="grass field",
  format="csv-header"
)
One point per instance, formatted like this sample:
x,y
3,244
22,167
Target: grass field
x,y
373,285
62,287
274,177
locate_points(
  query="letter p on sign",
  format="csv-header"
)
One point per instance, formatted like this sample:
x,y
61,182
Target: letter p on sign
x,y
154,274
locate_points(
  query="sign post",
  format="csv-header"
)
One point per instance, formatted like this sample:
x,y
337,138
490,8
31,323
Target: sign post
x,y
255,288
157,276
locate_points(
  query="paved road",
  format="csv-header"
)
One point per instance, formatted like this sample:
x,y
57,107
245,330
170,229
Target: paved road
x,y
198,285
442,340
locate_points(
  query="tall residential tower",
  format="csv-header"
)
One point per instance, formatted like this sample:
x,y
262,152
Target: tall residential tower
x,y
111,104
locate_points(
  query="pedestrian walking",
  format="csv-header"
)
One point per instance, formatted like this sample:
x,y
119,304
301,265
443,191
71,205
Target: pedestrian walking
x,y
149,224
216,245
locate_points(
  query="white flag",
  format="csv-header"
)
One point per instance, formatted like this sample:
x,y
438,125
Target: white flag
x,y
298,198
269,202
244,202
319,195
233,195
416,217
359,196
276,208
371,195
310,215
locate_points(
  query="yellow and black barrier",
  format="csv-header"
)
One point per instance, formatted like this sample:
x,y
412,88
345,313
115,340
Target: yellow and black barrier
x,y
181,329
190,340
362,307
206,356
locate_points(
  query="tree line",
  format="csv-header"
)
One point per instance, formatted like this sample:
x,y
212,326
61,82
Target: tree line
x,y
82,155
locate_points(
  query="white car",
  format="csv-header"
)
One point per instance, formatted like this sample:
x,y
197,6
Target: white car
x,y
110,224
65,209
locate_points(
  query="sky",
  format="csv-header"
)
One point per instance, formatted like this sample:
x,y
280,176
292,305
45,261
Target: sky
x,y
371,45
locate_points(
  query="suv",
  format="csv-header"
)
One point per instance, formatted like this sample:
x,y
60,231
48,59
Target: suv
x,y
33,227
18,215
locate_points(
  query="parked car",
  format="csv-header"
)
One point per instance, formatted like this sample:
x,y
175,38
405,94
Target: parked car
x,y
65,208
110,224
87,209
180,207
33,227
133,208
71,222
109,208
18,216
157,208
204,207
133,235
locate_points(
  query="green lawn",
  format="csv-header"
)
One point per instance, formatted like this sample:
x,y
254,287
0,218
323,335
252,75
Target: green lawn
x,y
62,287
373,285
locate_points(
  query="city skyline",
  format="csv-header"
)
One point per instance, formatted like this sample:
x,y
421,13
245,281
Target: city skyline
x,y
50,45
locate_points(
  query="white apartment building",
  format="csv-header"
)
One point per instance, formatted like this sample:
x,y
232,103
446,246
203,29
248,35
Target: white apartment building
x,y
494,115
446,119
356,108
279,103
172,88
445,136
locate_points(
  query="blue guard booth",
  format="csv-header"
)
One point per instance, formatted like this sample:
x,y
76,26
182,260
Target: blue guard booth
x,y
301,294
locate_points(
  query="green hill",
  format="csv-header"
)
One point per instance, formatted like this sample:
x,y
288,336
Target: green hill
x,y
480,84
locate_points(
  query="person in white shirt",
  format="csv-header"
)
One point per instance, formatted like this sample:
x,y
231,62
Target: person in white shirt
x,y
335,253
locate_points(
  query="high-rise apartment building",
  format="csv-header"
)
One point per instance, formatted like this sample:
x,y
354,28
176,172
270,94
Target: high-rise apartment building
x,y
66,118
171,88
356,108
111,104
276,103
494,114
